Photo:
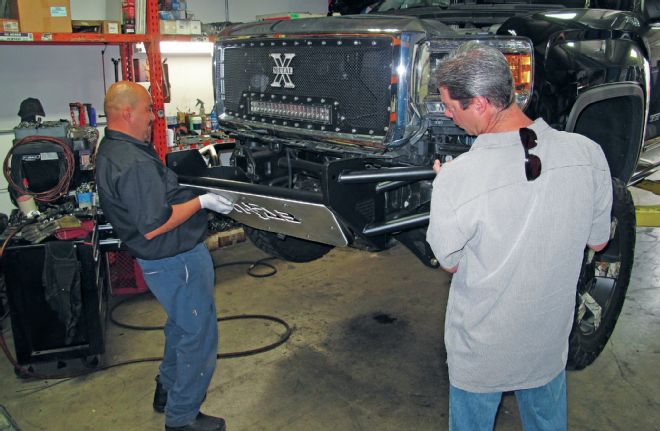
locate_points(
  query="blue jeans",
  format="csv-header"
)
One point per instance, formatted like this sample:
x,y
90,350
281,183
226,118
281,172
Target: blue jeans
x,y
184,285
542,408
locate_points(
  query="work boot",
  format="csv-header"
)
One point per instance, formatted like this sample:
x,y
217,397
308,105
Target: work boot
x,y
160,397
201,423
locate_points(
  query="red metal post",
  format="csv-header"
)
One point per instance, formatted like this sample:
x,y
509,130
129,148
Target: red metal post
x,y
126,54
159,136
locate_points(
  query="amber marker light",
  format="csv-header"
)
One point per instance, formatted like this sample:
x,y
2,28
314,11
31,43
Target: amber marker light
x,y
521,68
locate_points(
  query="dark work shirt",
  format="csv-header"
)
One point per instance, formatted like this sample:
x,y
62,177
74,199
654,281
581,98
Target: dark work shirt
x,y
136,193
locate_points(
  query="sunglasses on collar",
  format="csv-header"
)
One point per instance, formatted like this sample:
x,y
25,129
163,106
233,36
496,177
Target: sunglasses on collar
x,y
532,162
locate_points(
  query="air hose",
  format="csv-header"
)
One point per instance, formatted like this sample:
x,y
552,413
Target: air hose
x,y
66,167
27,373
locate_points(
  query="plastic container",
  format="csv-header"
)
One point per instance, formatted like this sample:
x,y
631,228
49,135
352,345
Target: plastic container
x,y
84,199
26,204
196,122
125,274
214,121
170,137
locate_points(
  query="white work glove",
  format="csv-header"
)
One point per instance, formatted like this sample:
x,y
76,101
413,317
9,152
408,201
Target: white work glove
x,y
217,203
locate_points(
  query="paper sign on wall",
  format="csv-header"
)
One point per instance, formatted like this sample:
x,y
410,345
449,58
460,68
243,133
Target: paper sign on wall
x,y
58,11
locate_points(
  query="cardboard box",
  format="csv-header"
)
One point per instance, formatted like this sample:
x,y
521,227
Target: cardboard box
x,y
42,16
195,27
182,26
111,27
86,26
167,27
9,26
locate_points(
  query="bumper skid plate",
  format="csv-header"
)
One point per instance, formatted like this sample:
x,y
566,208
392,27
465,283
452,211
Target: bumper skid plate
x,y
311,221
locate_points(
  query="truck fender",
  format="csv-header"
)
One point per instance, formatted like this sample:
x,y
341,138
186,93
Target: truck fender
x,y
614,116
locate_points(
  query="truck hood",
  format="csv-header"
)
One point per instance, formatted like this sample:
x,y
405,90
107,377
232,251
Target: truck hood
x,y
416,5
432,21
488,12
340,24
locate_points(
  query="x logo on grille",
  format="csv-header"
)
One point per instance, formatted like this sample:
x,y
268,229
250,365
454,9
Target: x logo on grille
x,y
282,70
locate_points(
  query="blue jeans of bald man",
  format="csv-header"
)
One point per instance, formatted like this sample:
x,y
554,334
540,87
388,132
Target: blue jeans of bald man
x,y
541,409
184,286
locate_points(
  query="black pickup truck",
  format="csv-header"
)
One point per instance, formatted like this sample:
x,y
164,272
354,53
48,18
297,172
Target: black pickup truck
x,y
338,120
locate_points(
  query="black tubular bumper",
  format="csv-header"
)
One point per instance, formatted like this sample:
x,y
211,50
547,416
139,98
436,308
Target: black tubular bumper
x,y
351,202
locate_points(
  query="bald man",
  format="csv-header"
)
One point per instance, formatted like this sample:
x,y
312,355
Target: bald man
x,y
162,226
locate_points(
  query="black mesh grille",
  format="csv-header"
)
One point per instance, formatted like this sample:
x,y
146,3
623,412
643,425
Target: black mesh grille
x,y
354,72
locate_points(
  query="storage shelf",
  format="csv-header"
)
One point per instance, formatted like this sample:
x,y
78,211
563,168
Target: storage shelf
x,y
187,38
125,42
96,38
66,38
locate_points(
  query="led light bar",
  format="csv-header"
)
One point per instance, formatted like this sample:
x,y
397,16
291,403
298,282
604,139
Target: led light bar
x,y
293,111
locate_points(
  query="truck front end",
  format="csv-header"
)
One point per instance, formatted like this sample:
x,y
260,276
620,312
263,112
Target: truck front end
x,y
337,123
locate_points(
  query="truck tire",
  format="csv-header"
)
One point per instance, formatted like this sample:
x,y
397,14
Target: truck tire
x,y
287,247
602,285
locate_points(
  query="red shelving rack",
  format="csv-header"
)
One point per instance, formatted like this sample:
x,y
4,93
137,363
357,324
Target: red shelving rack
x,y
125,42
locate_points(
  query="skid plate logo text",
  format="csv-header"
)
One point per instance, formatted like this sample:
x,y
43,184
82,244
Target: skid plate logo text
x,y
265,213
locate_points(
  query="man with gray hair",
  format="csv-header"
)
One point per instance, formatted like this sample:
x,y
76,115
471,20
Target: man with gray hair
x,y
512,225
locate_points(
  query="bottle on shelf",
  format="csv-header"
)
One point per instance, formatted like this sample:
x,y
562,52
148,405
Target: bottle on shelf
x,y
128,15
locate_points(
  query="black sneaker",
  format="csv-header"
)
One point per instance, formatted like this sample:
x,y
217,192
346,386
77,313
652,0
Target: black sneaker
x,y
160,396
201,423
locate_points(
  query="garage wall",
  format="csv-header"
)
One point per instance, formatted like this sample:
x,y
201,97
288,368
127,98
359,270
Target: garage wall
x,y
245,10
91,9
190,79
58,75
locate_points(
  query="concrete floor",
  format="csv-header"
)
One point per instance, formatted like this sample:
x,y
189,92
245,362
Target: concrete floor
x,y
366,354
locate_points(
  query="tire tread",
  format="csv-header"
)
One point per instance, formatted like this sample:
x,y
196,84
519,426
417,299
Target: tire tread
x,y
290,249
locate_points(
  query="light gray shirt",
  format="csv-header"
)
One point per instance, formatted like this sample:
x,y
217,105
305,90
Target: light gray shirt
x,y
519,246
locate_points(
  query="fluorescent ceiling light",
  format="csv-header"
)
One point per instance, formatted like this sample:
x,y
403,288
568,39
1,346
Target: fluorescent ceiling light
x,y
181,47
178,47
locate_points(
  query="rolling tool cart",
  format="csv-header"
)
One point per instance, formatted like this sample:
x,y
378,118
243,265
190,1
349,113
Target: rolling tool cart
x,y
57,292
54,272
